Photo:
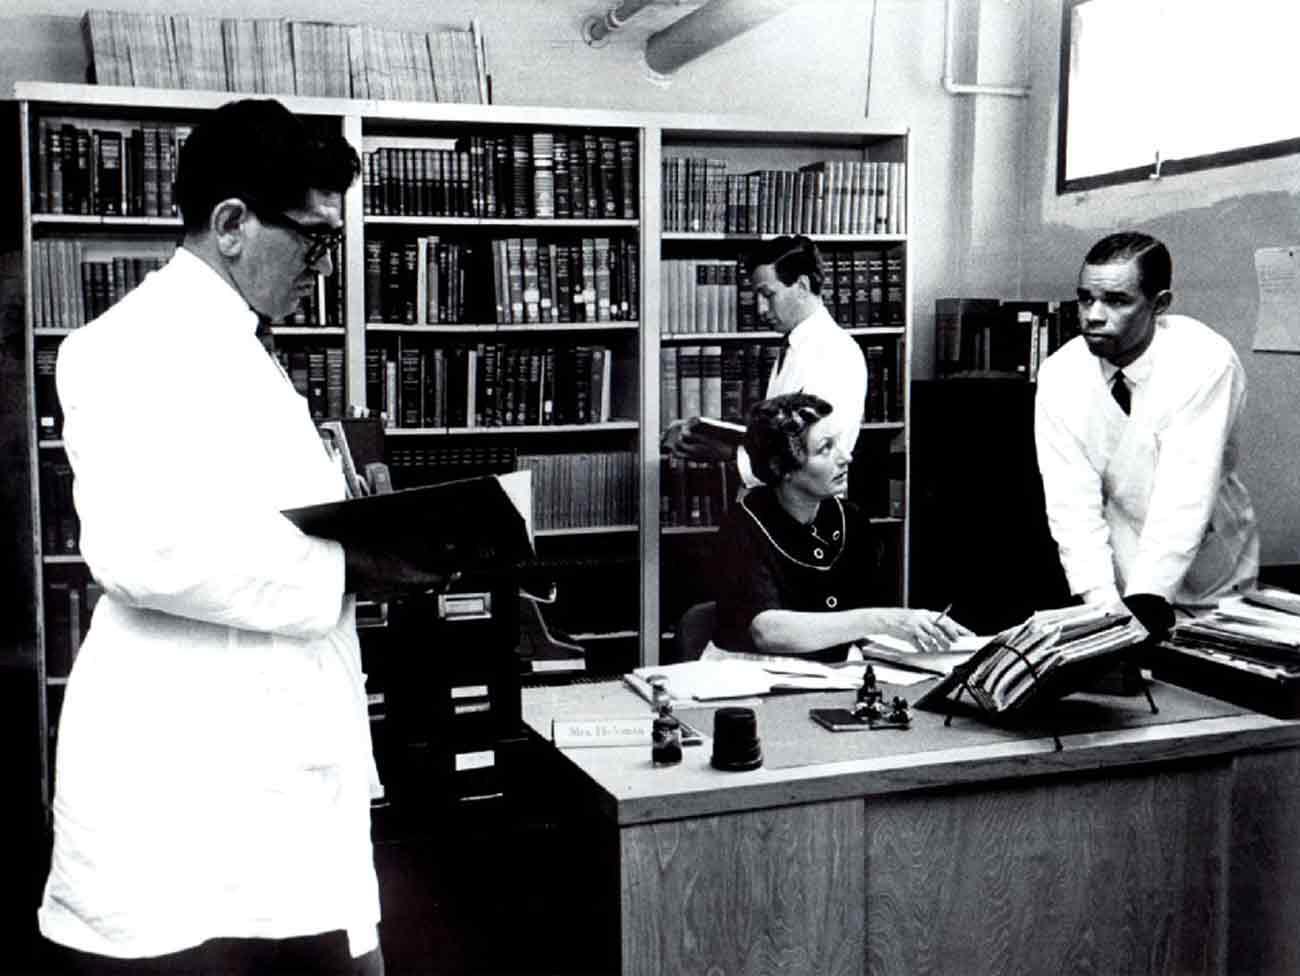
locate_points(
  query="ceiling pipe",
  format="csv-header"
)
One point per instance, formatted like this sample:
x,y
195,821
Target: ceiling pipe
x,y
710,25
595,30
949,53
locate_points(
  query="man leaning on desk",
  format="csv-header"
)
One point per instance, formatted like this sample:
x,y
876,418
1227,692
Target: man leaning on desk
x,y
818,355
1136,431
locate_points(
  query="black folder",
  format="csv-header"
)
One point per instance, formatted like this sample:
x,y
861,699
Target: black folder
x,y
469,524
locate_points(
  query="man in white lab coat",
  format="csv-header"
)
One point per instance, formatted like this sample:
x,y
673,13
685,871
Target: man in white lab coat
x,y
214,770
1136,430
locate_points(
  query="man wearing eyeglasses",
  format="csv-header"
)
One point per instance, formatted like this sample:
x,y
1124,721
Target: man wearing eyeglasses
x,y
214,769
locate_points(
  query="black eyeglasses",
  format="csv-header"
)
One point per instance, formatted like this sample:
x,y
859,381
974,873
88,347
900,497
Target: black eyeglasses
x,y
319,241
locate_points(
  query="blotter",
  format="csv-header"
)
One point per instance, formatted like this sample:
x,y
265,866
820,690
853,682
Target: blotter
x,y
469,524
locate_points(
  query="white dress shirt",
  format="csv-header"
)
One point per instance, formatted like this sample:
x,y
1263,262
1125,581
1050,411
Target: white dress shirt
x,y
826,361
214,767
1149,502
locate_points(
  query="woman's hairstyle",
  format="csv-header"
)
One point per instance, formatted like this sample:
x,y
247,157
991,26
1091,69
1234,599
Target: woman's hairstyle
x,y
776,436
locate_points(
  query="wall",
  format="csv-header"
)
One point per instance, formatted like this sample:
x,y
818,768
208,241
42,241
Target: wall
x,y
1212,222
808,63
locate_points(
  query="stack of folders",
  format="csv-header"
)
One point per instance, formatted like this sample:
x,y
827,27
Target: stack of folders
x,y
1051,654
1246,650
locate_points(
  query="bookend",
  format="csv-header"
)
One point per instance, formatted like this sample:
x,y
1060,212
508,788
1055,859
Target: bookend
x,y
942,697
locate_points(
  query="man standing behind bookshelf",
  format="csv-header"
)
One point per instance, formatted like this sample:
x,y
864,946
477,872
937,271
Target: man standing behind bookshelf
x,y
817,357
1136,430
214,768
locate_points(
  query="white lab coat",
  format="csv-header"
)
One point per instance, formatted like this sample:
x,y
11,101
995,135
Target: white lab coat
x,y
1150,502
214,767
825,361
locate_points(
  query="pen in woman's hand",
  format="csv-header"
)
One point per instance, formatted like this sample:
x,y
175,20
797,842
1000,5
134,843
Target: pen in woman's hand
x,y
943,613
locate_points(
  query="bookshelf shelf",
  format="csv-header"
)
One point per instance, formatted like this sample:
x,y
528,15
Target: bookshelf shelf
x,y
587,530
633,340
478,328
309,330
613,425
767,335
78,221
702,236
503,223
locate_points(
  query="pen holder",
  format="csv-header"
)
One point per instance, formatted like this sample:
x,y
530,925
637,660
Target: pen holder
x,y
735,739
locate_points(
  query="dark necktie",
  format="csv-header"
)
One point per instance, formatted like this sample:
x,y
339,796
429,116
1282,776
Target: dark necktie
x,y
785,351
1119,390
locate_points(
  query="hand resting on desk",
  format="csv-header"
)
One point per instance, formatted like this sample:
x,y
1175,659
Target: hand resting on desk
x,y
803,632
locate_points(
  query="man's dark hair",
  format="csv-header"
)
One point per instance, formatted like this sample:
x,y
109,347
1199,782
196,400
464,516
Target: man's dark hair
x,y
777,430
789,257
259,151
1155,266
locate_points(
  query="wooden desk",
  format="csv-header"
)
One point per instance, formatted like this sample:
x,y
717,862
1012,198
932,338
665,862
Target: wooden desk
x,y
1172,848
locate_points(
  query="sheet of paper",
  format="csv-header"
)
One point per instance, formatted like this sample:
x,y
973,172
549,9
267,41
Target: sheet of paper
x,y
1277,325
734,678
518,486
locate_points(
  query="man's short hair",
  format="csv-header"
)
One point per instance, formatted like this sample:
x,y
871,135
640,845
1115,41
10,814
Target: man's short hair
x,y
776,434
789,257
1155,266
257,150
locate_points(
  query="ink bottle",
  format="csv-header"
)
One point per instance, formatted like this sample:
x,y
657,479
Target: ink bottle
x,y
666,731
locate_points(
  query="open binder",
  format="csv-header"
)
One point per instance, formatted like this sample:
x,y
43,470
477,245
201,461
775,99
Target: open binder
x,y
1050,655
470,524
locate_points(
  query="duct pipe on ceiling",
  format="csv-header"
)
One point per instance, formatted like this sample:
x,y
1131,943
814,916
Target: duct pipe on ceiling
x,y
700,31
949,45
596,29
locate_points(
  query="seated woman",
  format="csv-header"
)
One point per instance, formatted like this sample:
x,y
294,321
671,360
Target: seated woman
x,y
799,567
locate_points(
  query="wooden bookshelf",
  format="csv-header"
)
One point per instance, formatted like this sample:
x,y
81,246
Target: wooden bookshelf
x,y
634,337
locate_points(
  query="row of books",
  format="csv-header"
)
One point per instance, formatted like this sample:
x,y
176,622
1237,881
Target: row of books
x,y
431,280
1000,337
861,288
725,381
60,526
107,168
522,174
68,606
317,373
417,385
412,464
826,197
285,57
694,493
69,287
75,281
573,491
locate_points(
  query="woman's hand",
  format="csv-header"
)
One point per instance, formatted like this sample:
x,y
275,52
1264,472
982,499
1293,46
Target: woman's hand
x,y
926,630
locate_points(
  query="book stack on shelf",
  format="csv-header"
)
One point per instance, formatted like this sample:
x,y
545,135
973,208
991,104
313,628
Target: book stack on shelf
x,y
285,57
999,338
429,280
853,197
694,494
559,174
582,491
415,385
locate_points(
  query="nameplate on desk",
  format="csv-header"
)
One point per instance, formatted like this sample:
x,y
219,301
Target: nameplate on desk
x,y
568,733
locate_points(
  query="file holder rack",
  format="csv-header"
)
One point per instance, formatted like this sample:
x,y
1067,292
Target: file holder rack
x,y
1065,680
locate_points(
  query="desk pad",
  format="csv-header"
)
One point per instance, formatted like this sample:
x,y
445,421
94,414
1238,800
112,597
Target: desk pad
x,y
790,738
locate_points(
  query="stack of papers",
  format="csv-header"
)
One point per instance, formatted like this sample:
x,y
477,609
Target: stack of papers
x,y
737,677
1243,627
